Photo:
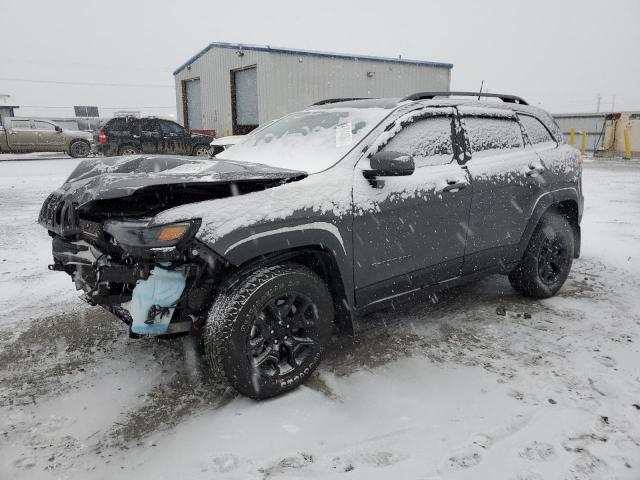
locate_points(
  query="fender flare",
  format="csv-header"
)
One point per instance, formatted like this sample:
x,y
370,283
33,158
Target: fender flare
x,y
243,247
546,201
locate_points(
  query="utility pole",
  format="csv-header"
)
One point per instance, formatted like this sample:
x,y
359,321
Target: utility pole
x,y
613,103
599,97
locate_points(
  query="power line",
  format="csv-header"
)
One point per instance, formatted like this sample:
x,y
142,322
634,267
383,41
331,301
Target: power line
x,y
92,84
84,65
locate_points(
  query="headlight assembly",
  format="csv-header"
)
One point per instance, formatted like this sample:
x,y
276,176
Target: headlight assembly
x,y
138,233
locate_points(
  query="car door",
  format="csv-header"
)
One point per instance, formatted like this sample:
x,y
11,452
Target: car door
x,y
410,231
175,139
557,160
506,179
47,137
150,136
21,135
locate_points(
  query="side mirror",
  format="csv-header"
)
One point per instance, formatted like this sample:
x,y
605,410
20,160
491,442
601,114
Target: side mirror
x,y
390,164
58,129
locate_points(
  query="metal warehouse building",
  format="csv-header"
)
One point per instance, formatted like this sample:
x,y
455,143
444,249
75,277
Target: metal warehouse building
x,y
232,88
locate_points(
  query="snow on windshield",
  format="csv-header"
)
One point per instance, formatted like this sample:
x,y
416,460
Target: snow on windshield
x,y
311,140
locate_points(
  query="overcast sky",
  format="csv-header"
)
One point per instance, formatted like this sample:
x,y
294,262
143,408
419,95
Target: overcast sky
x,y
557,54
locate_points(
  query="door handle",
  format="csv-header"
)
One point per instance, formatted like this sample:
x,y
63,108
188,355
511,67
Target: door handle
x,y
535,170
455,186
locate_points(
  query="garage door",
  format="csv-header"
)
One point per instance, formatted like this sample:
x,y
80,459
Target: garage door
x,y
194,104
246,100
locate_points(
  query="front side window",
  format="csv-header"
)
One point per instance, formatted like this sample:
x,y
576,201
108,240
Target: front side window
x,y
536,131
170,127
428,141
310,141
487,134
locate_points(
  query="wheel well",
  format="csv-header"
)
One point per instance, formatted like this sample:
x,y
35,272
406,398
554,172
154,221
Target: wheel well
x,y
569,210
323,264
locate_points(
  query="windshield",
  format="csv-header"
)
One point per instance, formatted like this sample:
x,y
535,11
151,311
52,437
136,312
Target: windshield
x,y
311,140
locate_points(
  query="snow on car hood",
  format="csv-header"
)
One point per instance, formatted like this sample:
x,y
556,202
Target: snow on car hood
x,y
106,178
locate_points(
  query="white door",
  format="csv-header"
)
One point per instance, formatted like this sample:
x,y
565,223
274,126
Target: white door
x,y
194,104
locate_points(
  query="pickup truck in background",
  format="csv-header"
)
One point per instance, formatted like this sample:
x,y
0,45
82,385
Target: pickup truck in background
x,y
24,135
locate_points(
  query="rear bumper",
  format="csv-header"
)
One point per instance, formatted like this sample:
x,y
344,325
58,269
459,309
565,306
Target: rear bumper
x,y
106,149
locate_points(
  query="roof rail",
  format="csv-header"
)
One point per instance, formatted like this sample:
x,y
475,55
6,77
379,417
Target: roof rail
x,y
431,95
337,100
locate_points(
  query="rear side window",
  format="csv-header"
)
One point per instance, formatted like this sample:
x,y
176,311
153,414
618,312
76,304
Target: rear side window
x,y
44,126
148,125
21,124
427,141
487,134
535,129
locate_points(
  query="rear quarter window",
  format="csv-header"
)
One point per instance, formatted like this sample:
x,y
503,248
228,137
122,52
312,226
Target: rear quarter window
x,y
493,134
122,124
535,130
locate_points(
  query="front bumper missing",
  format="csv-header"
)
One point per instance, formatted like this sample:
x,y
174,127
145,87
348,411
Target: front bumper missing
x,y
143,295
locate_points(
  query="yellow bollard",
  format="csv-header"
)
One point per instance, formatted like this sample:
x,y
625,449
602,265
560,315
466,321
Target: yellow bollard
x,y
572,136
583,144
226,133
627,144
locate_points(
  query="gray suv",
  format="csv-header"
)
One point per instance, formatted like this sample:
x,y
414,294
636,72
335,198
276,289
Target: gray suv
x,y
345,207
25,135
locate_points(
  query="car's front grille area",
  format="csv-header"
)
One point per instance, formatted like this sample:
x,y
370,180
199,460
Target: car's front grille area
x,y
59,215
50,209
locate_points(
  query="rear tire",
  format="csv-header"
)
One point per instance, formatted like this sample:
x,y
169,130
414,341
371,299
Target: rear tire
x,y
128,150
547,260
267,332
79,149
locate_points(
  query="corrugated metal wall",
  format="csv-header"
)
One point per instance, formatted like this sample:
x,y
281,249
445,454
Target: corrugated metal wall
x,y
288,82
592,123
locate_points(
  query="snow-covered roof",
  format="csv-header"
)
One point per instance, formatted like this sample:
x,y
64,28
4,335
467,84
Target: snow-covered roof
x,y
311,53
7,101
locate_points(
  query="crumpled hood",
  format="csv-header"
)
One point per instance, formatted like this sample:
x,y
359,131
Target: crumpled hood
x,y
115,177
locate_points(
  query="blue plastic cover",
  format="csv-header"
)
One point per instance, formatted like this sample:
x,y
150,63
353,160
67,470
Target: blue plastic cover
x,y
163,288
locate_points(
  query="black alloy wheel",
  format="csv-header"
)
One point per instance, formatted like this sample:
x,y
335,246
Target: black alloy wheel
x,y
267,330
283,334
547,260
552,258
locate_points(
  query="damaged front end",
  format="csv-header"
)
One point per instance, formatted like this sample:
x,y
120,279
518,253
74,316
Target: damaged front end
x,y
157,283
159,279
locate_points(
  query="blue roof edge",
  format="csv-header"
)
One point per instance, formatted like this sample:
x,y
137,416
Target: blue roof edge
x,y
310,53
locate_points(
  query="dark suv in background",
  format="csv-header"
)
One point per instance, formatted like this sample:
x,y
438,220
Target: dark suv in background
x,y
320,216
131,135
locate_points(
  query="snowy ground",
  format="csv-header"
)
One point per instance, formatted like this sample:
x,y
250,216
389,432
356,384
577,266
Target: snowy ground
x,y
446,390
10,157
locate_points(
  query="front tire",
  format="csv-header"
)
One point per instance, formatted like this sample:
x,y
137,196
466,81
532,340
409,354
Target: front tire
x,y
201,151
79,149
547,261
267,332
